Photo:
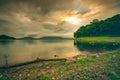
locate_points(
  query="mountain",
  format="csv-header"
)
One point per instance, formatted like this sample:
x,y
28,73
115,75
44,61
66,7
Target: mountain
x,y
54,38
6,37
44,38
27,38
108,27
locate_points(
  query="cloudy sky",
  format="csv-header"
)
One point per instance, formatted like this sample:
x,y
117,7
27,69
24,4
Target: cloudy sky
x,y
38,18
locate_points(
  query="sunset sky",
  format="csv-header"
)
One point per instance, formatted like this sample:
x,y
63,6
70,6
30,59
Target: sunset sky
x,y
39,18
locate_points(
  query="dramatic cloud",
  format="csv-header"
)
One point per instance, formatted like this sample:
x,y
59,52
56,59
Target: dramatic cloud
x,y
52,17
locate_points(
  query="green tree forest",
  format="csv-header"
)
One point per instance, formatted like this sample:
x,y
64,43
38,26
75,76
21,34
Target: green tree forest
x,y
108,27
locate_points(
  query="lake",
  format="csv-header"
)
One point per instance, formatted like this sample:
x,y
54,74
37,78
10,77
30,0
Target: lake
x,y
20,51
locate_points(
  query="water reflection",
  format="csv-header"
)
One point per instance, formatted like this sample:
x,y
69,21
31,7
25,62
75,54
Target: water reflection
x,y
53,41
6,42
21,51
96,47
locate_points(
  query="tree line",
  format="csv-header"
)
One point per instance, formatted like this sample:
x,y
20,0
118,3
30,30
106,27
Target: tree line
x,y
108,27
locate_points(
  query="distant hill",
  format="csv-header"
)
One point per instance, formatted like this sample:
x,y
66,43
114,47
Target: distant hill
x,y
6,37
54,38
44,38
27,38
108,27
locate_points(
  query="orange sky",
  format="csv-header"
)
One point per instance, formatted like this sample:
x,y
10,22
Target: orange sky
x,y
52,17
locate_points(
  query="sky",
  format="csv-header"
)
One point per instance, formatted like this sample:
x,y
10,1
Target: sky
x,y
37,18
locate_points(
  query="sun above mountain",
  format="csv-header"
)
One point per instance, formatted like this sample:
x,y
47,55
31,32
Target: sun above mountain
x,y
73,20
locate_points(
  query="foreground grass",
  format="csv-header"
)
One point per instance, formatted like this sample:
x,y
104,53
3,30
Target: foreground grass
x,y
88,67
98,39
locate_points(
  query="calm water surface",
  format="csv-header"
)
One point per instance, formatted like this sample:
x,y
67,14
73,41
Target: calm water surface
x,y
20,51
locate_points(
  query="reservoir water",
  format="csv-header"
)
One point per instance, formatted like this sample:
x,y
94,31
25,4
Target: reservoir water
x,y
20,51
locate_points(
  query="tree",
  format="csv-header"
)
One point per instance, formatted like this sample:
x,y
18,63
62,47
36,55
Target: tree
x,y
108,27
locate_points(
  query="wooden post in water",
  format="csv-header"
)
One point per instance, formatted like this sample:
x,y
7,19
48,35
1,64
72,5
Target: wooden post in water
x,y
6,61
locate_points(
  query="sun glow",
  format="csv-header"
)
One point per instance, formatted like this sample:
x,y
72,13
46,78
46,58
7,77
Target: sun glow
x,y
73,20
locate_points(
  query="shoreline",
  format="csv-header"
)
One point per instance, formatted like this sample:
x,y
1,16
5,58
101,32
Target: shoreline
x,y
31,62
85,67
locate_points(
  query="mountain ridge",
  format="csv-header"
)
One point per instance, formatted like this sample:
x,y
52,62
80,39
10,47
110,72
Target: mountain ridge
x,y
6,37
32,38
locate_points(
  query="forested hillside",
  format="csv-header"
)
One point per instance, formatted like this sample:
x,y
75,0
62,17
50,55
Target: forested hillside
x,y
108,27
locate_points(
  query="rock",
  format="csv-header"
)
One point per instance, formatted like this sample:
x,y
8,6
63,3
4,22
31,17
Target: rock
x,y
94,56
1,76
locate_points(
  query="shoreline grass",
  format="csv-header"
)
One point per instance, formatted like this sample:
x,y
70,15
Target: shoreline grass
x,y
98,39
